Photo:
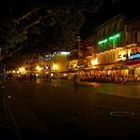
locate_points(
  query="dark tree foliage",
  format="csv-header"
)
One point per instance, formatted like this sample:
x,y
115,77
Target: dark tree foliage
x,y
60,24
44,26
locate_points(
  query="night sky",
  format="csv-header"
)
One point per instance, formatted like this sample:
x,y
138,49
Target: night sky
x,y
107,11
16,8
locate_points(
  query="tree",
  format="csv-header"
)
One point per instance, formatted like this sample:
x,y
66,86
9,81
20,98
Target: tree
x,y
60,30
14,33
10,38
50,27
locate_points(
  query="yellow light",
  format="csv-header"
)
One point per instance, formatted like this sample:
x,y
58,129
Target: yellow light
x,y
74,65
38,68
22,69
94,62
13,71
55,67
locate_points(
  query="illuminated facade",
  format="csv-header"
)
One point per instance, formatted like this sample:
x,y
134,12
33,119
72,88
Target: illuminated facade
x,y
118,47
90,51
114,49
110,37
60,61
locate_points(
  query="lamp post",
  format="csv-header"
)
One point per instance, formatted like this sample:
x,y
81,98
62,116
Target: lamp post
x,y
0,52
78,40
4,73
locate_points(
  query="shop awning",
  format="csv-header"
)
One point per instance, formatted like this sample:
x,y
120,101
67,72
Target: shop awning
x,y
123,67
119,65
133,63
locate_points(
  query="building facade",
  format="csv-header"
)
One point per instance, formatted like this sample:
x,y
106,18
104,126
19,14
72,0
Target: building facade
x,y
114,49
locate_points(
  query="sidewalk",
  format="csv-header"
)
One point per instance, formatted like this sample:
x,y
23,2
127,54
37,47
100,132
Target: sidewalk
x,y
6,126
28,125
82,115
19,123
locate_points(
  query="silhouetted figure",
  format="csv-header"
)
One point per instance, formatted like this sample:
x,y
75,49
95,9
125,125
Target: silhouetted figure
x,y
75,81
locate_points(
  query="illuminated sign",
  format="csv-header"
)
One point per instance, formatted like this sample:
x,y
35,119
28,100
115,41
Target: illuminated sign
x,y
122,57
115,36
134,56
65,53
103,41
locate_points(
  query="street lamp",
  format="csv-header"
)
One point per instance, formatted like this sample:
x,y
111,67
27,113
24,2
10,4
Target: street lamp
x,y
22,70
78,40
0,52
38,68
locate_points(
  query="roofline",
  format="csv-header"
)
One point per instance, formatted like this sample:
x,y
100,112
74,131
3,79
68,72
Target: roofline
x,y
133,19
117,16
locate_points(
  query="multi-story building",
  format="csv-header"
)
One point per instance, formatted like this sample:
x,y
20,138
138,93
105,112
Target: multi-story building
x,y
110,37
90,51
114,48
132,48
119,53
76,57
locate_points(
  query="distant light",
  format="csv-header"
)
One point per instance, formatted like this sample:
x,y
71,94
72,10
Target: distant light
x,y
55,67
109,38
22,69
13,71
38,68
94,62
47,67
134,56
65,53
103,41
9,96
114,36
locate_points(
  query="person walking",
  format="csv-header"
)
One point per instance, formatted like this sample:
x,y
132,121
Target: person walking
x,y
58,78
53,80
75,81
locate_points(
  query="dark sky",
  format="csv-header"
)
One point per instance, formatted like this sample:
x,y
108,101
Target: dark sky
x,y
130,8
109,9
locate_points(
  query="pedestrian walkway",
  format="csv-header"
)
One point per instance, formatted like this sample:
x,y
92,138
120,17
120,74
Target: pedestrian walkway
x,y
85,114
6,126
27,125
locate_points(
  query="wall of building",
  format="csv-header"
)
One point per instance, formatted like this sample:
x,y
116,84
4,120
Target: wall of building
x,y
107,32
61,61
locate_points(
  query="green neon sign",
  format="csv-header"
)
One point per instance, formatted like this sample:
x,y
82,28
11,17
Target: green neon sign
x,y
109,38
102,41
114,36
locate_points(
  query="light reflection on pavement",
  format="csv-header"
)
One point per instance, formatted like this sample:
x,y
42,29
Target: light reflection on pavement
x,y
128,90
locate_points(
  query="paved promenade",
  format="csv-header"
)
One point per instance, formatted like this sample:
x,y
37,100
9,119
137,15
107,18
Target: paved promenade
x,y
41,111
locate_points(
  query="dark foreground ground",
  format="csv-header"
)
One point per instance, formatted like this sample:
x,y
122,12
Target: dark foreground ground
x,y
7,129
39,111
